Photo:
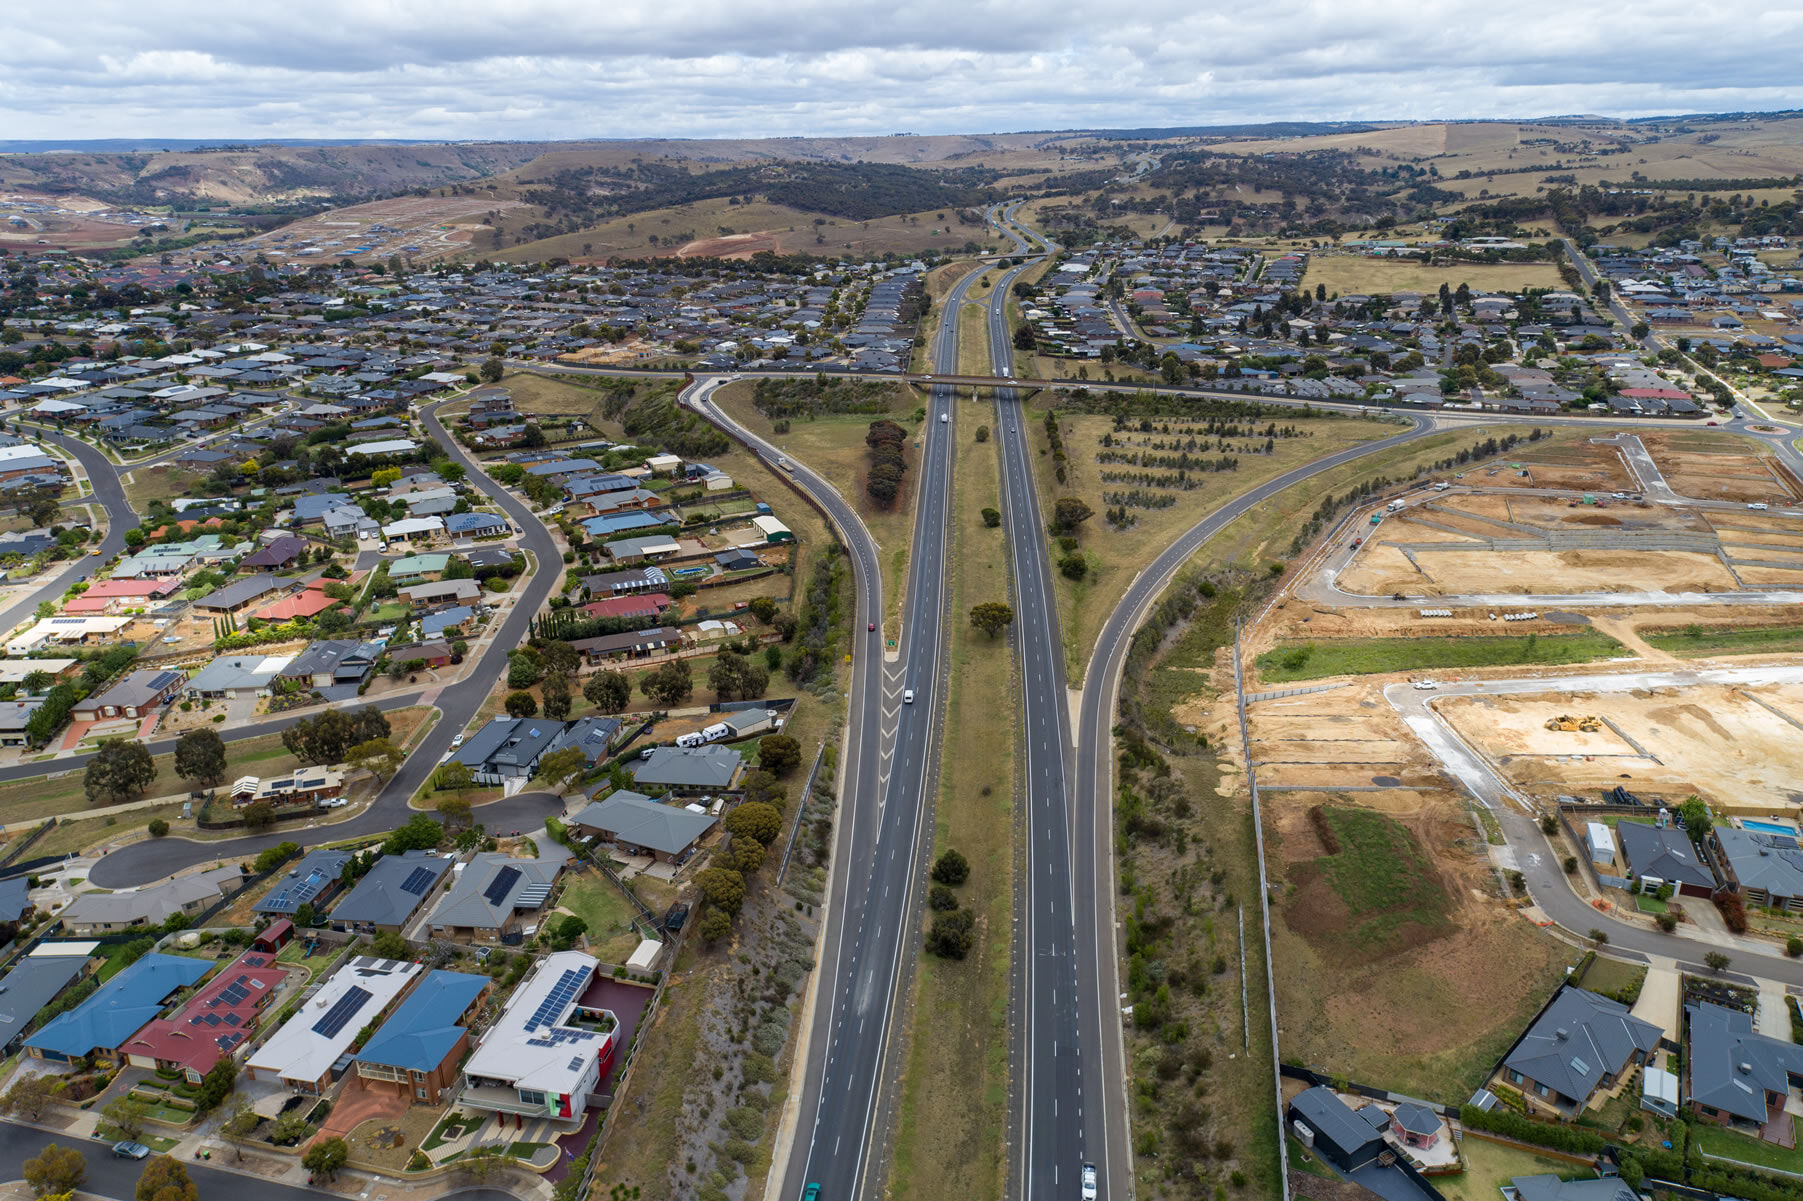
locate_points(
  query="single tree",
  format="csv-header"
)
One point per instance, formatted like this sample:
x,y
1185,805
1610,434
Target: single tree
x,y
55,1169
951,867
561,659
453,777
127,1114
217,1084
715,925
722,887
608,691
521,704
325,1157
952,934
29,1096
669,685
992,617
157,827
556,691
559,767
491,370
118,771
778,754
379,757
1694,813
1717,962
166,1179
992,517
259,816
755,820
1068,513
454,809
200,757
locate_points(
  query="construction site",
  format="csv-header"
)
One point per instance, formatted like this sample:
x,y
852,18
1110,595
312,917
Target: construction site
x,y
1486,629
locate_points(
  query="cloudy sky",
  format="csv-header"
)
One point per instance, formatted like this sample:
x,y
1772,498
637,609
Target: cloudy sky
x,y
528,69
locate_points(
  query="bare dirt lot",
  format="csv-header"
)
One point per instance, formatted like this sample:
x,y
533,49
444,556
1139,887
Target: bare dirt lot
x,y
1380,570
1722,743
1713,467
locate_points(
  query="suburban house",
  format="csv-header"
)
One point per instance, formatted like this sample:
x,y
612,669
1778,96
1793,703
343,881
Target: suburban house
x,y
212,1023
507,748
280,553
240,594
416,1052
118,1009
15,721
99,912
1343,1136
496,897
691,771
414,529
303,786
302,1054
32,983
1735,1077
638,825
630,644
237,677
1766,869
415,569
474,525
440,592
1664,855
135,694
1549,1187
548,1052
309,882
1580,1043
391,892
67,631
595,735
446,622
330,662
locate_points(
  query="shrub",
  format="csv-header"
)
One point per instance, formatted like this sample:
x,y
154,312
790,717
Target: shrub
x,y
1573,1139
951,867
1734,911
158,827
952,934
941,897
1668,922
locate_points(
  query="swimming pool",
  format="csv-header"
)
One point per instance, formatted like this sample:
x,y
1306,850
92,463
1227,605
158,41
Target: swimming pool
x,y
1748,823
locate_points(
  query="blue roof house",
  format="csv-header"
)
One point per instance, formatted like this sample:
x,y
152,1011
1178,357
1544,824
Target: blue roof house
x,y
418,1049
118,1009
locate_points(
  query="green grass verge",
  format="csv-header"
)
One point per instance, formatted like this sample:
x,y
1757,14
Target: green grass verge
x,y
1695,642
1744,1148
1368,656
1380,873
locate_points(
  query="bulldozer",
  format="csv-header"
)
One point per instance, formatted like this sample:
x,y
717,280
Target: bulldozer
x,y
1580,725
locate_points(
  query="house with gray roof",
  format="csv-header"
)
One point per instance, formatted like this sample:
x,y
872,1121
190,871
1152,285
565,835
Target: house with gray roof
x,y
1766,869
310,882
1580,1043
391,892
240,594
34,982
508,748
100,912
1735,1077
328,662
1665,854
691,770
496,897
1333,1129
237,677
639,825
1549,1187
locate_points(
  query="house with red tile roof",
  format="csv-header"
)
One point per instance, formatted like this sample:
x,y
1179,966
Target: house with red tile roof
x,y
215,1021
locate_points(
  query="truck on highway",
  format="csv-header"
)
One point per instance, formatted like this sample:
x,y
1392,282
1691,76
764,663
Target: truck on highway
x,y
1393,506
786,466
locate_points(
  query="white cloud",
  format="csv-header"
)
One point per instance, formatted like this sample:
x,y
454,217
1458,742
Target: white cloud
x,y
529,69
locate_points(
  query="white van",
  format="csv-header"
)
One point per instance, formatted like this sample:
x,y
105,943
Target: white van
x,y
1758,505
907,696
945,416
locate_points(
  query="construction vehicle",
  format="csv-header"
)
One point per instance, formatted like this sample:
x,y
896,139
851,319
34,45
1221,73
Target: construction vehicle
x,y
1584,724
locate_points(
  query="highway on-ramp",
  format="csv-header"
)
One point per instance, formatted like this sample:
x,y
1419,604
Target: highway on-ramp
x,y
156,858
884,826
104,479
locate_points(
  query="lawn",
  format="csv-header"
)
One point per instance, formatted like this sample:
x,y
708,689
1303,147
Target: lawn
x,y
1731,1144
1489,1166
596,900
1380,874
1349,274
953,1121
1695,642
1368,656
1610,976
1651,904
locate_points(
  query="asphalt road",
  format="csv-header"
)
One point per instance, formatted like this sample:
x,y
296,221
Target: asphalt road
x,y
872,911
156,858
109,1176
1058,1032
108,492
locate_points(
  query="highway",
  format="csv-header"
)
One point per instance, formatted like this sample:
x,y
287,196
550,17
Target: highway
x,y
1056,1033
884,829
156,858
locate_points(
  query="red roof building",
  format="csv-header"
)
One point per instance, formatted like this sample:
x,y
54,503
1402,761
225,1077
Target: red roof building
x,y
132,589
274,936
646,604
214,1022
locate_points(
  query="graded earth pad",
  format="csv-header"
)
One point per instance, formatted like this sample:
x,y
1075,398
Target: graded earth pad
x,y
1718,467
1381,570
1736,747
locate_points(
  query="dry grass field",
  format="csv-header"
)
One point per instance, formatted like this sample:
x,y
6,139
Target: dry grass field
x,y
1348,275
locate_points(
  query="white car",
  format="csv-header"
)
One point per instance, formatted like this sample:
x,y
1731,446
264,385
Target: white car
x,y
1089,1182
907,696
1426,685
457,742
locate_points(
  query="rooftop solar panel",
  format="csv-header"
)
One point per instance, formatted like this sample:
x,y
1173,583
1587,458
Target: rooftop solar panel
x,y
501,885
343,1011
418,881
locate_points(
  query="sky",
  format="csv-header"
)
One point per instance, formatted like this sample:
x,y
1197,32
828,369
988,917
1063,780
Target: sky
x,y
551,69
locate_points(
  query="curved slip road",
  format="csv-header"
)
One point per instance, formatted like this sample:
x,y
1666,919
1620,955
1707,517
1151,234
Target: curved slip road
x,y
103,477
154,859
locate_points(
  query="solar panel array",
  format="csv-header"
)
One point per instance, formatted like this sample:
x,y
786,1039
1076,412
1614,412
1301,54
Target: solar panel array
x,y
558,1036
236,995
418,881
342,1011
254,961
228,1041
501,885
558,999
